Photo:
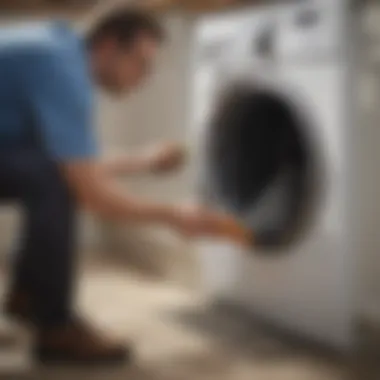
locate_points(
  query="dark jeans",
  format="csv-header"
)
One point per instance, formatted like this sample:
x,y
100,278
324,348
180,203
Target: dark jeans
x,y
43,265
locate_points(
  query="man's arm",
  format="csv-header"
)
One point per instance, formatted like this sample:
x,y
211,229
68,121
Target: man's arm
x,y
95,191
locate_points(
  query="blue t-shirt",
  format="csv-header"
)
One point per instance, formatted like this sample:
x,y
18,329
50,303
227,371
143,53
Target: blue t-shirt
x,y
46,93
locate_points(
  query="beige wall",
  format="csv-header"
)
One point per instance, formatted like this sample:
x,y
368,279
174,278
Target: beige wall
x,y
156,113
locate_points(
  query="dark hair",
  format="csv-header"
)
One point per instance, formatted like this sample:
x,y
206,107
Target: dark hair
x,y
124,25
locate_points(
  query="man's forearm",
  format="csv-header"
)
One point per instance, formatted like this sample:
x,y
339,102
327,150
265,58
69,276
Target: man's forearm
x,y
96,191
114,204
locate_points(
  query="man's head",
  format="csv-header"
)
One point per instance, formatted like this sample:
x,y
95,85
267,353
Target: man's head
x,y
123,48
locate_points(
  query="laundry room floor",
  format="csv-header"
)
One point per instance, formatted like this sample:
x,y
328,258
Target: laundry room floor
x,y
177,338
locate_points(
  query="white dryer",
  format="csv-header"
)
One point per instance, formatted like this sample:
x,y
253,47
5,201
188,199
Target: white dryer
x,y
300,57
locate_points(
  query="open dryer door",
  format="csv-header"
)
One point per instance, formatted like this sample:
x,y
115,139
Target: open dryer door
x,y
261,164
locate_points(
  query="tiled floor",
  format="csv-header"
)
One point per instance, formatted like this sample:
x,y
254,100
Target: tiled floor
x,y
176,338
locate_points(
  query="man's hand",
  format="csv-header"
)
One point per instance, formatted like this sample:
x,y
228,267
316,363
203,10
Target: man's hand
x,y
166,157
196,222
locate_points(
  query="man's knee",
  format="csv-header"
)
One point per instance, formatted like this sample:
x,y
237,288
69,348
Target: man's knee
x,y
32,178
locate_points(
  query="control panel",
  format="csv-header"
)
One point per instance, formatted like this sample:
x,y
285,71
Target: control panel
x,y
311,30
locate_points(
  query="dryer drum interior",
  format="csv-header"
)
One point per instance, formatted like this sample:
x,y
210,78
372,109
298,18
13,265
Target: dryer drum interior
x,y
261,164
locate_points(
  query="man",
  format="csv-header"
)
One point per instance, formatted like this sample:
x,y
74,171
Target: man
x,y
49,165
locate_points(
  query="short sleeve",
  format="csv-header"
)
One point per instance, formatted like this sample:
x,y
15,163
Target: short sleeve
x,y
59,93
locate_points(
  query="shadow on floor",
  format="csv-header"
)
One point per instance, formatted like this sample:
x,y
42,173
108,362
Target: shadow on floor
x,y
244,335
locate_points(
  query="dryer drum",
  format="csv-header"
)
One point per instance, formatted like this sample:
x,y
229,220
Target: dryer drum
x,y
261,164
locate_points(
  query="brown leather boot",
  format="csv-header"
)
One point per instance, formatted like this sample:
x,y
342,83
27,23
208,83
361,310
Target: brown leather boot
x,y
75,343
78,344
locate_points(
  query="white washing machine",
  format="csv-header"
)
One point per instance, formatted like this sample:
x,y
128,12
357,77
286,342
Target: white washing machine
x,y
300,56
